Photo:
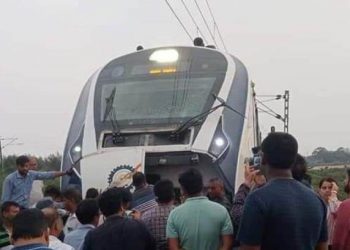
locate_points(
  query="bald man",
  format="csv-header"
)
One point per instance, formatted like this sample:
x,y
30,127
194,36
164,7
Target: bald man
x,y
55,224
216,193
37,188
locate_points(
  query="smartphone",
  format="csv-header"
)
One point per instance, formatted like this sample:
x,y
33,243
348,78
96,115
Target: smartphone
x,y
256,161
128,214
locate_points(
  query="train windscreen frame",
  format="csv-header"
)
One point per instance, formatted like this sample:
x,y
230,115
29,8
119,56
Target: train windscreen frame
x,y
144,93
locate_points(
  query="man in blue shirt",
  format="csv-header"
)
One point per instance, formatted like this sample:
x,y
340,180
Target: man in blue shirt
x,y
284,214
88,214
18,185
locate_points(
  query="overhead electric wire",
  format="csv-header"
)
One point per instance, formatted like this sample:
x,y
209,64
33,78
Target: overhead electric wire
x,y
206,23
179,20
267,112
10,142
269,96
216,25
194,21
270,100
268,108
277,116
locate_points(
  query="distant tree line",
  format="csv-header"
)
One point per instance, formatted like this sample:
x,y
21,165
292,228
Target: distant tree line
x,y
49,163
322,156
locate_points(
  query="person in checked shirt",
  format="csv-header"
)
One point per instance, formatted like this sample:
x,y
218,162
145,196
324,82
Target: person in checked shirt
x,y
156,218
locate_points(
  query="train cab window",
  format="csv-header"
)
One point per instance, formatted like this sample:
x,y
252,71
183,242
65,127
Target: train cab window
x,y
148,101
136,92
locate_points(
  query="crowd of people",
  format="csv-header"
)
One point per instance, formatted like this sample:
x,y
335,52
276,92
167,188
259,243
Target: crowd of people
x,y
274,208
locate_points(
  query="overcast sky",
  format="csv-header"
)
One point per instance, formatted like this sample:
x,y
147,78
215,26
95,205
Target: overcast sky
x,y
49,48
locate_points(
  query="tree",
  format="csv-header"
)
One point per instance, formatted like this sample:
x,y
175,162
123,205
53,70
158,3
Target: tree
x,y
319,150
321,156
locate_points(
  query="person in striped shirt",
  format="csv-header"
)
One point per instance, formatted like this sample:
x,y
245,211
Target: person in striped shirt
x,y
156,218
9,210
143,198
4,238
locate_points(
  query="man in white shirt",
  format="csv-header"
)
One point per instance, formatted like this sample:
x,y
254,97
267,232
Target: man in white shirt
x,y
71,199
88,214
56,225
36,193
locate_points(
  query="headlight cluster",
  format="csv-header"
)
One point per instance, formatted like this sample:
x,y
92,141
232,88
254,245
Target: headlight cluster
x,y
220,143
75,151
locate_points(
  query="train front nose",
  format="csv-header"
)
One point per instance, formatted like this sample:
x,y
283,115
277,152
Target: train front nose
x,y
111,168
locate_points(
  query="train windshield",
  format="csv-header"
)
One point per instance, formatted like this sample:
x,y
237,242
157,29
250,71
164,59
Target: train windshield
x,y
138,92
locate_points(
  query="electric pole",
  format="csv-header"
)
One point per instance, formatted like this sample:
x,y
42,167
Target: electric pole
x,y
286,111
266,109
2,165
9,142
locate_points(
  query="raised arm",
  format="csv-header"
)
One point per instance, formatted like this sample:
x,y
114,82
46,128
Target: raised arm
x,y
241,195
238,205
49,175
6,190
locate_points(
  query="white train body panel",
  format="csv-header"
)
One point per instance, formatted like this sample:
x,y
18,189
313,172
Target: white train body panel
x,y
101,162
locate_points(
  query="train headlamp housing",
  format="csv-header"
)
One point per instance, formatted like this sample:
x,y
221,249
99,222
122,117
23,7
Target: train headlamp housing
x,y
75,151
164,56
219,143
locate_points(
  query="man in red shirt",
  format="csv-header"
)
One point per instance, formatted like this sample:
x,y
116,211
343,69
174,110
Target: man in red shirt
x,y
341,234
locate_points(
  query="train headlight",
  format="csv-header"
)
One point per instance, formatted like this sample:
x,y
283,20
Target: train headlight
x,y
164,56
220,143
75,151
218,146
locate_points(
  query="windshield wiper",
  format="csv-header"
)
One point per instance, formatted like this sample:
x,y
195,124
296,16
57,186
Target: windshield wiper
x,y
110,113
198,119
222,101
109,104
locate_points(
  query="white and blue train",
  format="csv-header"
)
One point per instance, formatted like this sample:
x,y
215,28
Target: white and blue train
x,y
161,111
